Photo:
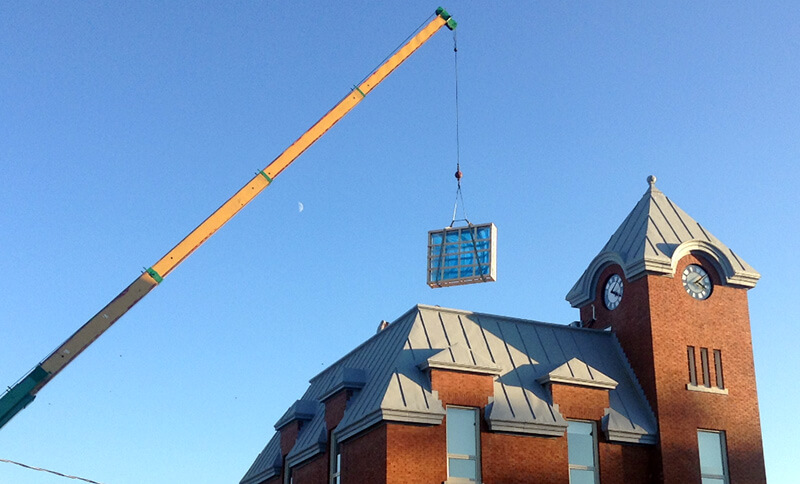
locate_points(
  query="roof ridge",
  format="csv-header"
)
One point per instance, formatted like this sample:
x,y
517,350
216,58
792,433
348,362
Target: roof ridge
x,y
504,318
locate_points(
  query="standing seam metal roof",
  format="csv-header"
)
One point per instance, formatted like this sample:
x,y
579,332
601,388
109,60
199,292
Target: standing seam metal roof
x,y
519,351
652,239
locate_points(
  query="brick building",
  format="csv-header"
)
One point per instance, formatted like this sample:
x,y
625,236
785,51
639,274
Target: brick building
x,y
654,384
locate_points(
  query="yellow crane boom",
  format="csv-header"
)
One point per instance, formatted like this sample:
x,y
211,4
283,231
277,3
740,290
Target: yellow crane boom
x,y
23,392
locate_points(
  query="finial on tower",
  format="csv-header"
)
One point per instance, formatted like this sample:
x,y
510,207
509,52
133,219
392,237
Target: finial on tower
x,y
651,180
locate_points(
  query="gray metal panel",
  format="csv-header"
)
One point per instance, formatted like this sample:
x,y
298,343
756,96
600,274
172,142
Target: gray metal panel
x,y
522,351
379,359
264,466
310,441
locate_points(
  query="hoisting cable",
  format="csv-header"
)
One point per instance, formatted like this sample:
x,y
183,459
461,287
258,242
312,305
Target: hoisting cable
x,y
458,174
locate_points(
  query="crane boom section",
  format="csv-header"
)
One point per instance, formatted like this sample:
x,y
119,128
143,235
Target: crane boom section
x,y
259,182
24,391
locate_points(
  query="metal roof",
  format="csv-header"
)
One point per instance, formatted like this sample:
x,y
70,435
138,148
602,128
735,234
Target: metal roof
x,y
577,372
652,239
390,370
268,463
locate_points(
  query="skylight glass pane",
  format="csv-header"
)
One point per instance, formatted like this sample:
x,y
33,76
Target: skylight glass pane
x,y
456,255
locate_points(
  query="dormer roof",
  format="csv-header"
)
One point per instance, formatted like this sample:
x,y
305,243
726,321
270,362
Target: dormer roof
x,y
459,357
652,239
576,372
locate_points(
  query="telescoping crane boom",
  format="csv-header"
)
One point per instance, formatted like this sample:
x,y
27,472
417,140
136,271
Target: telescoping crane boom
x,y
24,391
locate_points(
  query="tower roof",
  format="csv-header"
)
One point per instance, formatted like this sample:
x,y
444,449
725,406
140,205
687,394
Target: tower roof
x,y
652,239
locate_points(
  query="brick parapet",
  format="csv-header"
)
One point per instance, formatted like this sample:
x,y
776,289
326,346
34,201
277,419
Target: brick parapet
x,y
462,388
580,402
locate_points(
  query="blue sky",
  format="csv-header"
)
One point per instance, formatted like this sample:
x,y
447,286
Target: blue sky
x,y
123,126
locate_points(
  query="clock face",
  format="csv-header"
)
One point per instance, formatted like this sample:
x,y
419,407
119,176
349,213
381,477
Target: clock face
x,y
696,282
613,292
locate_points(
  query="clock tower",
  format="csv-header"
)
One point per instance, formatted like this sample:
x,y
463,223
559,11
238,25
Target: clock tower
x,y
676,298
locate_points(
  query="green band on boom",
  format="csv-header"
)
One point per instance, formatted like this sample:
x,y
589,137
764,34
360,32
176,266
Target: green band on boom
x,y
155,275
261,172
359,91
451,24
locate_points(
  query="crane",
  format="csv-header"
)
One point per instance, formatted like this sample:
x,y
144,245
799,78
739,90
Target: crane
x,y
22,393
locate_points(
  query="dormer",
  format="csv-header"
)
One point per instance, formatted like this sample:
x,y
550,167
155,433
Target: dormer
x,y
460,377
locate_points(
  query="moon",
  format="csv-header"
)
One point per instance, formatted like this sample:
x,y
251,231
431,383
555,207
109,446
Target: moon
x,y
300,206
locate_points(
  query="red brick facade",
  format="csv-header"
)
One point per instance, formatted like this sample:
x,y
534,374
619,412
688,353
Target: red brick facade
x,y
398,453
461,388
656,322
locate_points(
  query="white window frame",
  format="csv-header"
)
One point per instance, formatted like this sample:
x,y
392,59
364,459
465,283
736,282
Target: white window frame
x,y
335,467
595,468
476,458
725,476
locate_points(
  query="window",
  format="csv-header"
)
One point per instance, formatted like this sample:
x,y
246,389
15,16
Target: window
x,y
463,445
336,461
713,458
692,367
582,449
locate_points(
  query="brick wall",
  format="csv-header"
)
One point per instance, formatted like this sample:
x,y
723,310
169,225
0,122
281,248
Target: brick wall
x,y
520,459
289,436
364,457
416,454
312,471
335,406
579,402
626,464
398,453
461,388
655,323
